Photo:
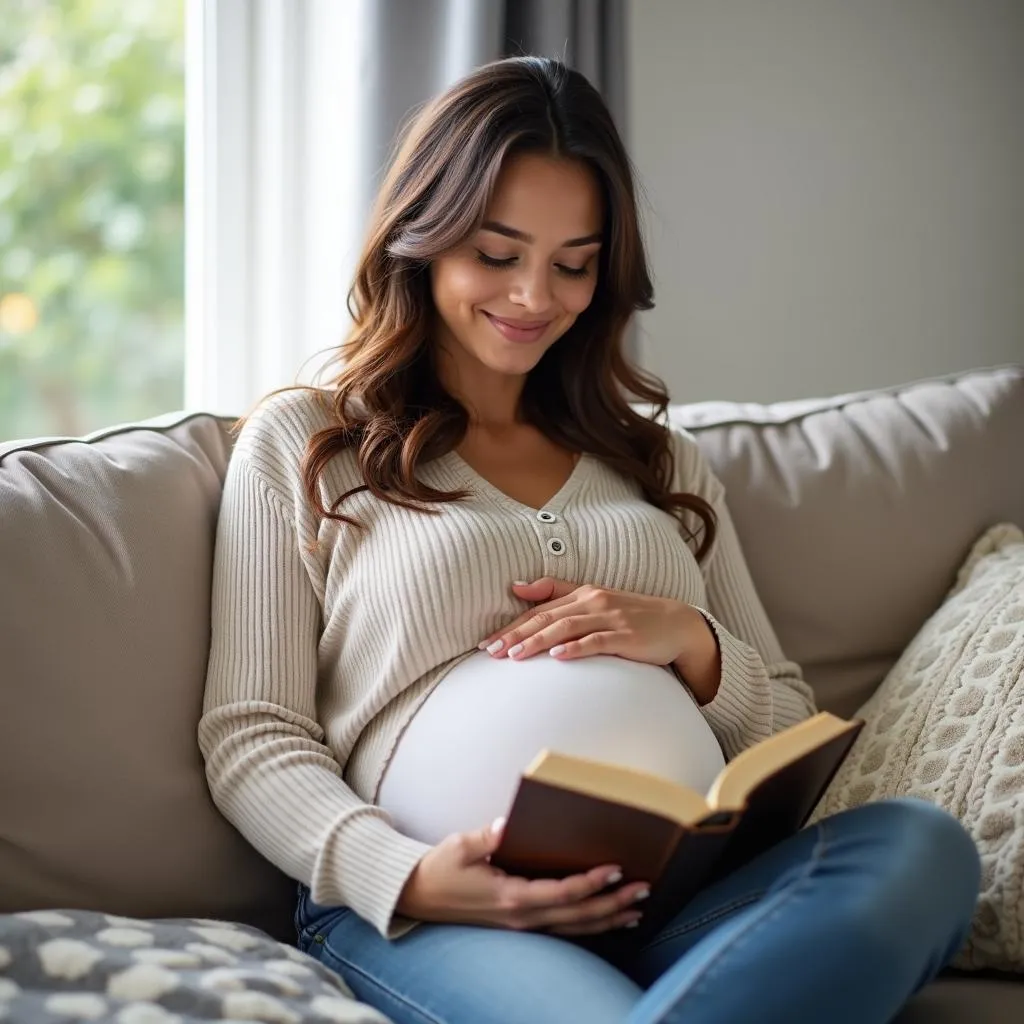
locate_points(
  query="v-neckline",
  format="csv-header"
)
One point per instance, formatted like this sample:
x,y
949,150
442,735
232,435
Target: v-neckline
x,y
483,486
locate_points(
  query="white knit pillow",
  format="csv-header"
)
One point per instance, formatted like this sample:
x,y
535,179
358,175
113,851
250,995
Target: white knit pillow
x,y
947,725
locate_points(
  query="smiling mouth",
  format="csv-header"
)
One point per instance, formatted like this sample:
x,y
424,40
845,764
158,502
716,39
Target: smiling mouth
x,y
518,330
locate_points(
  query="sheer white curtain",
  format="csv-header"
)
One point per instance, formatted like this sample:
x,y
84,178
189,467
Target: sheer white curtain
x,y
292,111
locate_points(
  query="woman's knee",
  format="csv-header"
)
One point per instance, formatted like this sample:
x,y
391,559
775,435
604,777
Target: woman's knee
x,y
933,845
924,870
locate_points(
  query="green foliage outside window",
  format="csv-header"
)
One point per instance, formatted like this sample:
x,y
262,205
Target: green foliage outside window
x,y
92,227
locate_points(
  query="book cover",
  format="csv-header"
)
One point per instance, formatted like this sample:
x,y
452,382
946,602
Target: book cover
x,y
570,815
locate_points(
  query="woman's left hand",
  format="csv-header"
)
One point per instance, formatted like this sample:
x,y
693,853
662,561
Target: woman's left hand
x,y
573,621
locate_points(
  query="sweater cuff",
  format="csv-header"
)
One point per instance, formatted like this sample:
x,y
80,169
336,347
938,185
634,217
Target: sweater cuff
x,y
740,713
366,869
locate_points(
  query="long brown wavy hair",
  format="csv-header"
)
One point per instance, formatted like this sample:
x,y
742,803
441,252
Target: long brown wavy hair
x,y
388,399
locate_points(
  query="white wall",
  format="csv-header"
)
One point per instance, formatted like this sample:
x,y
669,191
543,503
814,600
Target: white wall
x,y
836,190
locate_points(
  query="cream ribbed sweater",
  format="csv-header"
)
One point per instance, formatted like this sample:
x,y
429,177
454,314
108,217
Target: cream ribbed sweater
x,y
319,660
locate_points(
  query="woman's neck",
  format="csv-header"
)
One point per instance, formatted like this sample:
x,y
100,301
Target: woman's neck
x,y
492,400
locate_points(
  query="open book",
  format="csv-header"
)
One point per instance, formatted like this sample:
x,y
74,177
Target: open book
x,y
571,814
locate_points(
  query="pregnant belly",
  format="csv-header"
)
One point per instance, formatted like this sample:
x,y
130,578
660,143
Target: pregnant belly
x,y
457,765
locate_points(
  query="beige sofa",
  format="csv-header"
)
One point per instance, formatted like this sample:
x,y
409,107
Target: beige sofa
x,y
855,513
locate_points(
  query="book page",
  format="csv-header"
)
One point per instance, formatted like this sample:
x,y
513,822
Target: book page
x,y
621,785
753,765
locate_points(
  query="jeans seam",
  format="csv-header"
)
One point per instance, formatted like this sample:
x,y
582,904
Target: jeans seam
x,y
298,914
698,922
672,1002
425,1015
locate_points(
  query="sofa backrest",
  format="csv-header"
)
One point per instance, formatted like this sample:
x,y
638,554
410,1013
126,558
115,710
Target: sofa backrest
x,y
854,513
106,551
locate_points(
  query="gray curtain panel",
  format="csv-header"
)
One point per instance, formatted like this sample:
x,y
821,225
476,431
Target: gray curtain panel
x,y
417,48
588,35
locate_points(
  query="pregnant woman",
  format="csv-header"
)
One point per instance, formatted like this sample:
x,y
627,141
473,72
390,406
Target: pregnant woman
x,y
470,546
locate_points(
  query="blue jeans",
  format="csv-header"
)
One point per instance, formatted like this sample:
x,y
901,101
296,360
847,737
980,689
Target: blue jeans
x,y
842,922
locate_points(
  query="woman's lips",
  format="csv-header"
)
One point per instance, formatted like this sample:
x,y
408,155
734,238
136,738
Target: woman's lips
x,y
518,330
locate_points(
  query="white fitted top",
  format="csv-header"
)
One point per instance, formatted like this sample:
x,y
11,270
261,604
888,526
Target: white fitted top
x,y
458,762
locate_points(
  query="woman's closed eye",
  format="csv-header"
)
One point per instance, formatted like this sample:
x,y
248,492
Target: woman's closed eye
x,y
500,264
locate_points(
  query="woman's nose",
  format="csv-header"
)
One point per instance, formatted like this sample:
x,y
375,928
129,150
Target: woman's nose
x,y
532,291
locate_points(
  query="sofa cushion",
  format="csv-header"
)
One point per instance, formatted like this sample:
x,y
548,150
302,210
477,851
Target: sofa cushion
x,y
965,999
947,725
856,511
57,966
105,561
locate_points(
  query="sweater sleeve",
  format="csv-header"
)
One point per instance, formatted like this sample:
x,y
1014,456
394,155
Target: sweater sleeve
x,y
760,692
269,771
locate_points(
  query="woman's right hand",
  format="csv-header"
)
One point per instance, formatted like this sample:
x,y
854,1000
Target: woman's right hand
x,y
455,883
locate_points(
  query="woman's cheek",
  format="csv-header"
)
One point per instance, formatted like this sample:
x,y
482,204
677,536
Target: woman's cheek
x,y
581,296
459,280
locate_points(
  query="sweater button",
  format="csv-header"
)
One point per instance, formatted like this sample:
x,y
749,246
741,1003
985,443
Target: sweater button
x,y
547,517
556,546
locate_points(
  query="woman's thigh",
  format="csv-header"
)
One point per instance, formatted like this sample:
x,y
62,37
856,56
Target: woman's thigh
x,y
456,974
902,863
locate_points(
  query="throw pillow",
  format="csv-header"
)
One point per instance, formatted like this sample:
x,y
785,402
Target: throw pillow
x,y
62,965
947,725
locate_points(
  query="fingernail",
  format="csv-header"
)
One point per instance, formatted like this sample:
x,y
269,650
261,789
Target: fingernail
x,y
641,895
615,876
513,651
631,924
520,583
495,647
498,824
557,650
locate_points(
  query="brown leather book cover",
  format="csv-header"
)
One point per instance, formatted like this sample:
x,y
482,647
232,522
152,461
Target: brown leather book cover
x,y
553,832
783,802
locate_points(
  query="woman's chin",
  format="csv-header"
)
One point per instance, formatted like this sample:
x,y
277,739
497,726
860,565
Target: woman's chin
x,y
511,364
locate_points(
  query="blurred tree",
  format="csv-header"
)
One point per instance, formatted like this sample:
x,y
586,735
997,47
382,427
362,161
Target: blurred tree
x,y
92,227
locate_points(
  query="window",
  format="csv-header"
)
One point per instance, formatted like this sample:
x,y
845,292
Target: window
x,y
92,224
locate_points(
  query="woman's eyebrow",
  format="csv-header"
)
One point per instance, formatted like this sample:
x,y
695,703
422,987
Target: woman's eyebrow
x,y
522,236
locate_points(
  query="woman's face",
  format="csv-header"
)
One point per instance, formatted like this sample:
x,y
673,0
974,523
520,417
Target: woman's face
x,y
517,285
